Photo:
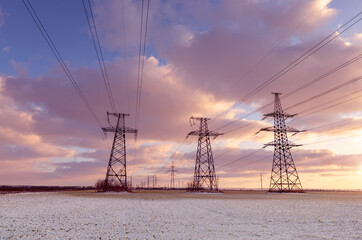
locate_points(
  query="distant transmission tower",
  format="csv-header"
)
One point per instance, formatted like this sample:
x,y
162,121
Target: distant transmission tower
x,y
154,181
204,176
284,175
261,181
172,170
117,165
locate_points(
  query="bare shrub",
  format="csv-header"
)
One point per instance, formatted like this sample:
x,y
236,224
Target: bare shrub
x,y
112,186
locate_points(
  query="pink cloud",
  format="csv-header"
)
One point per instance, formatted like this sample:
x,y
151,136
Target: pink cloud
x,y
206,48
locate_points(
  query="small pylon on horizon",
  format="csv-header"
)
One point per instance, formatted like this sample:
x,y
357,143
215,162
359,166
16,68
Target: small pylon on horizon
x,y
172,171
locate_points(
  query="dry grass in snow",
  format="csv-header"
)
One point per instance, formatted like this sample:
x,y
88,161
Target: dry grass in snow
x,y
179,215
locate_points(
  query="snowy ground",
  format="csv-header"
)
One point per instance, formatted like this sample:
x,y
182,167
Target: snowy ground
x,y
89,215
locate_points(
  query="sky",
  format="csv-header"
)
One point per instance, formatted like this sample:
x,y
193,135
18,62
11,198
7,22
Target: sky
x,y
201,57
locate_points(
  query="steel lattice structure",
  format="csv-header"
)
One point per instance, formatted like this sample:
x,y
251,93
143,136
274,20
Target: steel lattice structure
x,y
284,175
172,171
117,165
204,176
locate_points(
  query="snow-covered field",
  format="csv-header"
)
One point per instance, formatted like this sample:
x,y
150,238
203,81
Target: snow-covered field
x,y
89,215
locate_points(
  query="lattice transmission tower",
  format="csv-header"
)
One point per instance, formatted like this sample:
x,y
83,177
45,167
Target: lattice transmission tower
x,y
204,175
284,175
117,165
172,171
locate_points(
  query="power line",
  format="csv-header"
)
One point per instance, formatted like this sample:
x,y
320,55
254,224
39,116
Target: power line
x,y
245,140
313,81
330,72
255,66
261,159
335,139
98,49
329,140
296,62
241,158
354,80
102,58
254,152
333,132
125,54
334,105
321,126
329,124
141,63
250,163
297,118
251,70
302,87
57,55
258,150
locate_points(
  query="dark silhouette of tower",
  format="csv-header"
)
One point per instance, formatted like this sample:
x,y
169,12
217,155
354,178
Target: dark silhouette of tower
x,y
117,165
204,176
172,171
151,181
261,181
154,181
284,175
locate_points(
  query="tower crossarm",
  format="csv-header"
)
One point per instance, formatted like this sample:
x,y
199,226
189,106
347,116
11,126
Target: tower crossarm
x,y
282,114
120,129
199,118
289,144
214,134
208,133
286,129
267,129
123,115
193,133
117,114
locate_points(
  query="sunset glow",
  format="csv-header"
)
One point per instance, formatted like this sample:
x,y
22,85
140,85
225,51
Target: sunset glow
x,y
202,59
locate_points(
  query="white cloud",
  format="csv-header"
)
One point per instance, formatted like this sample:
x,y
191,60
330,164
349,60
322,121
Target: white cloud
x,y
357,37
6,49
